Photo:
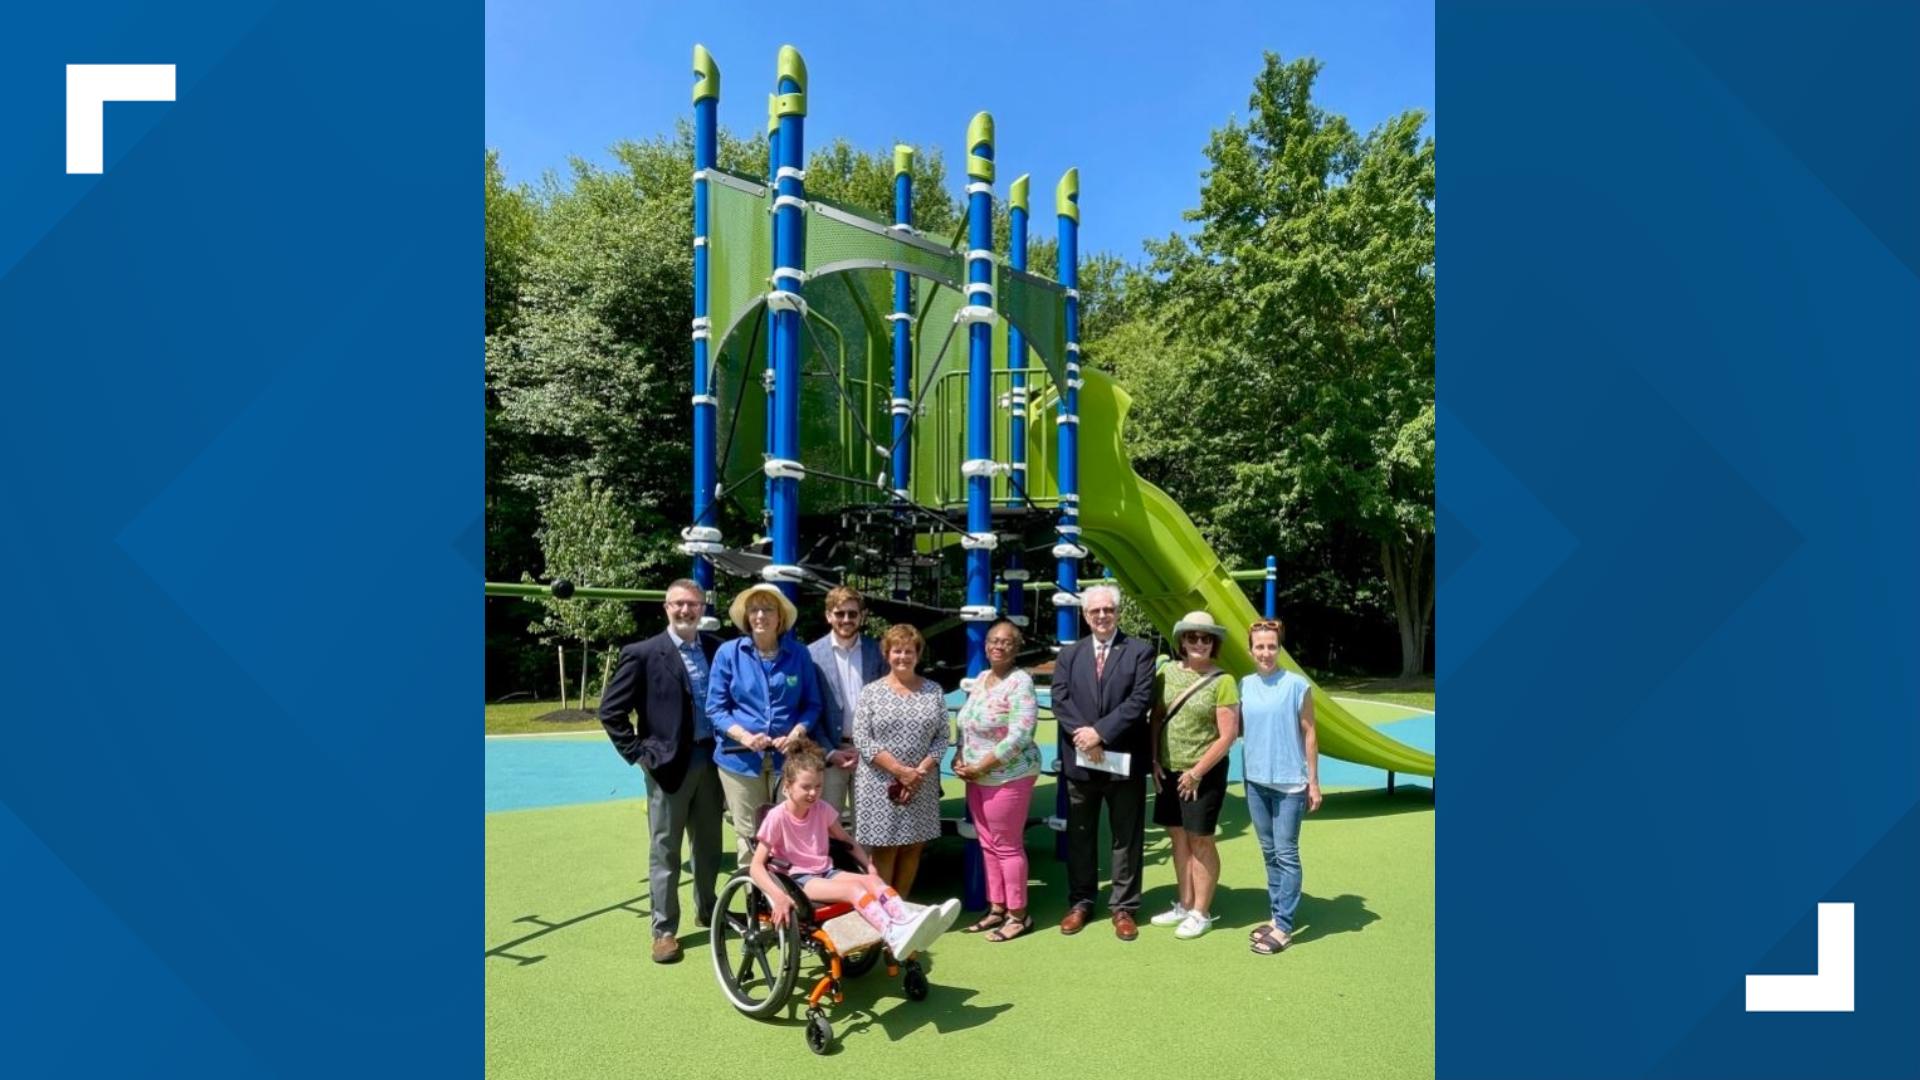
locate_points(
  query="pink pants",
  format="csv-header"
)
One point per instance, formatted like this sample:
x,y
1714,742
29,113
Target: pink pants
x,y
1000,817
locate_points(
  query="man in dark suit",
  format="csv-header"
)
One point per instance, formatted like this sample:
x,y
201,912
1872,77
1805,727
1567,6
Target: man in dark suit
x,y
847,660
664,680
1102,691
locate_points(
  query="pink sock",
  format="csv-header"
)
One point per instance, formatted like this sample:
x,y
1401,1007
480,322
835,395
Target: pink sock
x,y
896,910
872,911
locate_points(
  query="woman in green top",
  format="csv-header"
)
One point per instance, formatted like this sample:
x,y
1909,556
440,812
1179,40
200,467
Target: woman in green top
x,y
1195,721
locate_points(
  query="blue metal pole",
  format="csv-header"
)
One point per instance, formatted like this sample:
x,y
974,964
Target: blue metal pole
x,y
1066,206
902,319
1016,573
978,315
1069,552
706,103
1273,575
789,244
766,374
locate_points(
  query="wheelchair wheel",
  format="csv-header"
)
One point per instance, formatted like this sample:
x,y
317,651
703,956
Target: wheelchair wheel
x,y
756,962
819,1032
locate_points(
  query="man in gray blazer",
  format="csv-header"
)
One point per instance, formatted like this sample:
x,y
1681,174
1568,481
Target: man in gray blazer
x,y
653,710
847,660
1102,694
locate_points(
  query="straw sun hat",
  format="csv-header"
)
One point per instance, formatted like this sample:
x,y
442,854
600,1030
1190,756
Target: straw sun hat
x,y
1198,621
738,611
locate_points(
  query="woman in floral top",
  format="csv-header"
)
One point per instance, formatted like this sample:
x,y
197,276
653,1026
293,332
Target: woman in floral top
x,y
999,761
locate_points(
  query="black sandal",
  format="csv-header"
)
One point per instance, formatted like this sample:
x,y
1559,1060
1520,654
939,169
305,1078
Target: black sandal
x,y
1025,923
992,920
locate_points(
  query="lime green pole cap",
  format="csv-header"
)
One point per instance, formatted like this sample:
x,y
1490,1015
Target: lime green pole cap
x,y
706,74
902,158
795,68
1017,195
979,133
1066,197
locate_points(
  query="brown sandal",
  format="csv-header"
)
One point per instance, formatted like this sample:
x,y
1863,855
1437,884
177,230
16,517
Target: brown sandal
x,y
1268,941
992,920
1017,926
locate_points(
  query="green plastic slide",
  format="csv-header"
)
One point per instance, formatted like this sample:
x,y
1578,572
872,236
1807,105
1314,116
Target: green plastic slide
x,y
1163,563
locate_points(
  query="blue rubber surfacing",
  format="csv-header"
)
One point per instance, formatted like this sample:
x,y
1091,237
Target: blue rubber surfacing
x,y
526,773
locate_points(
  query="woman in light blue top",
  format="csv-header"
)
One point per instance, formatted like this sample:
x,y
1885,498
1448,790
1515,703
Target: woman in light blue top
x,y
1282,776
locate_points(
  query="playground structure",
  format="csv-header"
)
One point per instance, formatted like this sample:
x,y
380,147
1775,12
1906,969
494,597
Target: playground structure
x,y
875,438
920,411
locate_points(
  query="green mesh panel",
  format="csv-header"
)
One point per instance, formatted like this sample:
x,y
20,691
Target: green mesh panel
x,y
739,248
837,236
850,342
739,258
1038,307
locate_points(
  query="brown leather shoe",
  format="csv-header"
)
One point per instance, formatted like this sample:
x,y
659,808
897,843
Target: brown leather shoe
x,y
1075,921
666,950
1123,927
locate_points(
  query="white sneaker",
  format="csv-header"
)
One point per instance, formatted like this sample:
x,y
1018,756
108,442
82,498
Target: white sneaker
x,y
1173,916
901,936
944,913
914,934
1193,925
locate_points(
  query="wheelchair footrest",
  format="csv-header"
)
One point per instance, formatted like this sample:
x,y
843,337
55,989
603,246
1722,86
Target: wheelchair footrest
x,y
851,933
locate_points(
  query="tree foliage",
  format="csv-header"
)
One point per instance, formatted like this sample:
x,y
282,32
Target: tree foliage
x,y
1283,372
1280,357
587,536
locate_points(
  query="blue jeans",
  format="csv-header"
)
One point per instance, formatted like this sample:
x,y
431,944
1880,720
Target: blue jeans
x,y
1276,821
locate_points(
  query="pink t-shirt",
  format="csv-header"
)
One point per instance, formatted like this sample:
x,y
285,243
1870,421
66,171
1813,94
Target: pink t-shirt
x,y
800,841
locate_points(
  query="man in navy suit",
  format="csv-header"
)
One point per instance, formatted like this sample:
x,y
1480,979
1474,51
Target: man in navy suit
x,y
664,680
847,660
1102,692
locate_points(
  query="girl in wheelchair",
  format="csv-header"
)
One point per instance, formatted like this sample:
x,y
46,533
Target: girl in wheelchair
x,y
797,832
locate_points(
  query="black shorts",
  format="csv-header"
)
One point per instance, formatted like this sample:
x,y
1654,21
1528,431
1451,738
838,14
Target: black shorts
x,y
1198,815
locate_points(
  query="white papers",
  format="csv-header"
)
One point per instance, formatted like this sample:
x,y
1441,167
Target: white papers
x,y
1113,761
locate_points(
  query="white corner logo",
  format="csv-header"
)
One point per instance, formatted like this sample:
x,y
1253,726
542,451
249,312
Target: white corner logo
x,y
1829,988
89,88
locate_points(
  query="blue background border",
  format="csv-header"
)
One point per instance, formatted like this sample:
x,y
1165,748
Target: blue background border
x,y
241,456
1678,336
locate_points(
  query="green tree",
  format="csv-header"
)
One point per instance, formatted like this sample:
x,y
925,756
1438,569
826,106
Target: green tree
x,y
587,537
1298,321
511,218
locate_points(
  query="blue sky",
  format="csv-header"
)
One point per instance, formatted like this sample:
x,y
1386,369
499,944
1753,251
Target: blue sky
x,y
1128,92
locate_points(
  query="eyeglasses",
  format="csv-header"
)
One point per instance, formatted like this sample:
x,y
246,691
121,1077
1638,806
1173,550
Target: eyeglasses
x,y
1099,610
1001,643
845,614
1265,624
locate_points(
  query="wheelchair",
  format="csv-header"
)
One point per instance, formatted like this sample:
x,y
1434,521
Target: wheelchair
x,y
758,962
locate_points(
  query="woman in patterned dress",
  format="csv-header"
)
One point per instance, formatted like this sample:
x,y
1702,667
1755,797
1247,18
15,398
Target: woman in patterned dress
x,y
999,762
900,732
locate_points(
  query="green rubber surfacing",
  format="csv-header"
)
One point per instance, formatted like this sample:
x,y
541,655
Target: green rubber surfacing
x,y
578,997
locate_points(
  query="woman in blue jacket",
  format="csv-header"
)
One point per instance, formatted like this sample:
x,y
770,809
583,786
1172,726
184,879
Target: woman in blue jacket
x,y
763,689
